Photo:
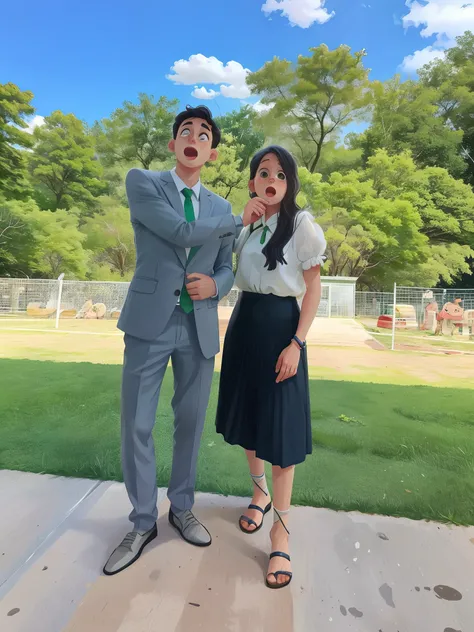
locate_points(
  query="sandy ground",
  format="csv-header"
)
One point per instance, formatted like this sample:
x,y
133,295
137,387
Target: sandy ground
x,y
337,349
352,572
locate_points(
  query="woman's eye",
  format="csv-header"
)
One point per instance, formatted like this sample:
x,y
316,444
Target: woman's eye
x,y
185,132
203,136
264,173
281,176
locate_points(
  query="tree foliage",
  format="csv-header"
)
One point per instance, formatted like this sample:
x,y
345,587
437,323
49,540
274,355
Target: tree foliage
x,y
15,105
452,81
63,164
394,221
137,133
404,118
313,99
109,236
243,126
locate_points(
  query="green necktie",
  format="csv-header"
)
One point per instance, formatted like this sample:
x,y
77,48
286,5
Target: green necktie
x,y
264,234
185,300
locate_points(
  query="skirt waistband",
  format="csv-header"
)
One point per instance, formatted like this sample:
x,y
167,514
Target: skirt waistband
x,y
256,296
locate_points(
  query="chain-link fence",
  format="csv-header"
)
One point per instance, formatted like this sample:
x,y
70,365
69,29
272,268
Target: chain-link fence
x,y
372,304
17,294
426,319
39,298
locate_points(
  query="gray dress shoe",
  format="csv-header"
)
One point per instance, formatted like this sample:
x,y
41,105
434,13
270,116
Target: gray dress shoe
x,y
129,550
189,528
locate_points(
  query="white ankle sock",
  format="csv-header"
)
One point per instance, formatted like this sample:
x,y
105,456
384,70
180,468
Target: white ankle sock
x,y
260,482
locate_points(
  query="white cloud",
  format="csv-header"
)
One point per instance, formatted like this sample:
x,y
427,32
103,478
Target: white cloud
x,y
199,69
445,19
204,93
262,107
412,63
236,92
36,121
303,13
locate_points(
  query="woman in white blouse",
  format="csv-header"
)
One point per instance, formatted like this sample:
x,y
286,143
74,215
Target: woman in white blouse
x,y
264,393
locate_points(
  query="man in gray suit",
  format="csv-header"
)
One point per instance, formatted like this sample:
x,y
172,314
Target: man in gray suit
x,y
184,236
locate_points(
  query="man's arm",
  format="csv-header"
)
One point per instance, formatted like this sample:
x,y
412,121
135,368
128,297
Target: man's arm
x,y
154,213
223,273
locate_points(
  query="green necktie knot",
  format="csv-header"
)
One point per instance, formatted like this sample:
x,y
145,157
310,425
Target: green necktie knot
x,y
188,193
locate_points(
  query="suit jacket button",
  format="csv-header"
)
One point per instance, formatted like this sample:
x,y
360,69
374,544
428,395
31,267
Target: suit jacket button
x,y
177,292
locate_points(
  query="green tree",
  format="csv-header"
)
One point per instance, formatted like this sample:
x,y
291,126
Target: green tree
x,y
405,117
63,164
339,158
452,80
137,133
365,234
16,239
394,222
242,125
313,99
109,238
58,244
225,176
40,243
14,106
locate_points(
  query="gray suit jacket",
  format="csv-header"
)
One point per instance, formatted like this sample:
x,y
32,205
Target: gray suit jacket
x,y
161,236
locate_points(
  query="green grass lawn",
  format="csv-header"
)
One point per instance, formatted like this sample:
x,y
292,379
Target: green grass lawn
x,y
378,448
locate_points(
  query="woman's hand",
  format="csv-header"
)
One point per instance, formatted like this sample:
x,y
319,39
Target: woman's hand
x,y
288,361
254,209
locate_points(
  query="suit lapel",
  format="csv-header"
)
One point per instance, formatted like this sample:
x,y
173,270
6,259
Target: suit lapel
x,y
205,203
173,197
205,208
171,193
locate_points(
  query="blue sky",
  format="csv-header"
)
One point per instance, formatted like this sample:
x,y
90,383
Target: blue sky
x,y
88,57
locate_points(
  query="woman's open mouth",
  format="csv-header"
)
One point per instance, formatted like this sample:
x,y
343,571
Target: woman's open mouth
x,y
191,153
270,192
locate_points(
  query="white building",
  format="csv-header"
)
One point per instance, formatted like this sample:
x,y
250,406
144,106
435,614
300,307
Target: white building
x,y
338,297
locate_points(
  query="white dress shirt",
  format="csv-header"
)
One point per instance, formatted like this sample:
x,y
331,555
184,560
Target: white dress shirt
x,y
304,250
196,189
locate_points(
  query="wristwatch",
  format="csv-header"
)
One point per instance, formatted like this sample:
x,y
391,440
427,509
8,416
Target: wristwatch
x,y
301,343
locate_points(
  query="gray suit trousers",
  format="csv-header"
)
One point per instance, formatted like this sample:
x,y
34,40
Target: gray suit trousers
x,y
145,364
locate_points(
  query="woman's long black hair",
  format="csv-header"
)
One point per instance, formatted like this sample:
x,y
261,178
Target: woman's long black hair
x,y
273,251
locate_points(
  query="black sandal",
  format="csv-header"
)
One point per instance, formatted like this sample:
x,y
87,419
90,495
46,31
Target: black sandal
x,y
257,508
277,573
285,556
250,521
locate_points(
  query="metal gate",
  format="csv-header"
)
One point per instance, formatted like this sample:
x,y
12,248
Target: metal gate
x,y
324,310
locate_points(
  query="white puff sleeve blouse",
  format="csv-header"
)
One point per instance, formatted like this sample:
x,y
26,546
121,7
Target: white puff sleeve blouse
x,y
304,250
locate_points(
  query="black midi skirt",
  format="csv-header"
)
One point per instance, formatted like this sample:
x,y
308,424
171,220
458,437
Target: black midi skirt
x,y
254,411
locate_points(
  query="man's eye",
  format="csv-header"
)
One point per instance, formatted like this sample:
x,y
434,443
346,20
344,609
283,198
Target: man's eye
x,y
185,132
281,176
203,136
264,173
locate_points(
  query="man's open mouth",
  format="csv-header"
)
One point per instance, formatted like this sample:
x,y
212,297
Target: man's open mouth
x,y
270,192
191,152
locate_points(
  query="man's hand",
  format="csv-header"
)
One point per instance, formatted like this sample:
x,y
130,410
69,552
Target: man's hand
x,y
200,286
254,209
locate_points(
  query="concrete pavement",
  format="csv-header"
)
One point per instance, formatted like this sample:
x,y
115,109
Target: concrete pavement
x,y
352,572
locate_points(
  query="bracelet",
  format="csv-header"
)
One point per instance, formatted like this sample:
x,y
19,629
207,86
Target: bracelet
x,y
301,344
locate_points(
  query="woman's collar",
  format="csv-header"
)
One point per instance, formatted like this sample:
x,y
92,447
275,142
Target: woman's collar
x,y
271,222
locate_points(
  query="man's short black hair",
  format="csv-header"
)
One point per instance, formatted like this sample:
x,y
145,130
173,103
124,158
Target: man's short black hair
x,y
202,112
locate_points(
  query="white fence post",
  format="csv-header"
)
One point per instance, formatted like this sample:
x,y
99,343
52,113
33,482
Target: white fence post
x,y
60,291
394,314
